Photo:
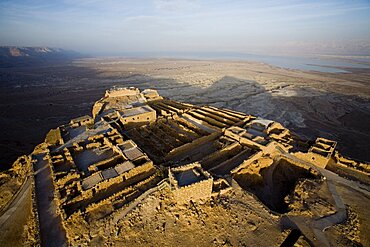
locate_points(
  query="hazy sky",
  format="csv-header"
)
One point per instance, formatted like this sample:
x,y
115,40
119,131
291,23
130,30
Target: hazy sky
x,y
109,26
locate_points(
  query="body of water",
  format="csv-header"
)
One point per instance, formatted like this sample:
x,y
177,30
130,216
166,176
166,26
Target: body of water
x,y
321,64
331,65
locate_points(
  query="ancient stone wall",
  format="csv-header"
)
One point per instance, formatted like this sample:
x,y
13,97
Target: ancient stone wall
x,y
98,106
122,92
189,146
126,195
70,177
54,137
211,160
149,116
200,123
195,192
110,186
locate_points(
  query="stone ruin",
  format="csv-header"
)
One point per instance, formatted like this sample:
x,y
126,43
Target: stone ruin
x,y
190,182
137,141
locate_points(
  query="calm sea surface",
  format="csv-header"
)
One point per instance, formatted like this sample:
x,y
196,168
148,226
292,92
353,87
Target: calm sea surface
x,y
332,65
321,64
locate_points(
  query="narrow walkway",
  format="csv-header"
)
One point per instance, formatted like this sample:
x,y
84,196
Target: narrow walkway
x,y
16,202
315,229
52,232
15,216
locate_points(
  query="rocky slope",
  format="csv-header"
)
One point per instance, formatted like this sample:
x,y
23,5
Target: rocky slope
x,y
13,56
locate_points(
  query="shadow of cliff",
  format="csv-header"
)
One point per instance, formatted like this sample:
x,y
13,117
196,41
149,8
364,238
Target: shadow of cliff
x,y
35,100
308,112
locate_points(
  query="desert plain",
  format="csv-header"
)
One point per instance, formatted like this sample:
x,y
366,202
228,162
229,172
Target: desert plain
x,y
310,104
332,105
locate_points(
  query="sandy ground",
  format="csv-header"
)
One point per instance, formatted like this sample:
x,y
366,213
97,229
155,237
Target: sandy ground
x,y
235,219
335,106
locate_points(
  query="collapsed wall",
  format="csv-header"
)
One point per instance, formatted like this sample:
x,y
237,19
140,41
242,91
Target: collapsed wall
x,y
190,183
271,180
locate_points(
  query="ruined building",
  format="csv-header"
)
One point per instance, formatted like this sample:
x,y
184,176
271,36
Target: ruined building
x,y
137,142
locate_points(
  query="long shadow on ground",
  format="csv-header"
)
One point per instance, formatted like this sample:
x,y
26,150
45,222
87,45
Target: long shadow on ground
x,y
34,100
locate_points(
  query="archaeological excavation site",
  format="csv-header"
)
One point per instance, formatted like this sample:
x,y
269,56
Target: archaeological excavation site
x,y
145,170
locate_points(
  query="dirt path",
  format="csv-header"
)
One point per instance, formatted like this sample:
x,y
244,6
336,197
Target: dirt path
x,y
316,228
16,204
12,221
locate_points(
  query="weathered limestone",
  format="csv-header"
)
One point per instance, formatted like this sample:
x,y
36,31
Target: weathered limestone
x,y
84,120
54,137
239,134
97,108
151,94
102,163
12,179
138,115
320,153
190,182
119,92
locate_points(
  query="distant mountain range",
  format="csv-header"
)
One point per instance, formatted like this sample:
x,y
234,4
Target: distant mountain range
x,y
14,56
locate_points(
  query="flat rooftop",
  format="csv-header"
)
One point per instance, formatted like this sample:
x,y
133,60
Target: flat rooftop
x,y
136,111
189,175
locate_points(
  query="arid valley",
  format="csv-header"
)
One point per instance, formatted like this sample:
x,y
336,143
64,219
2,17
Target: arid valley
x,y
332,105
228,151
185,123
